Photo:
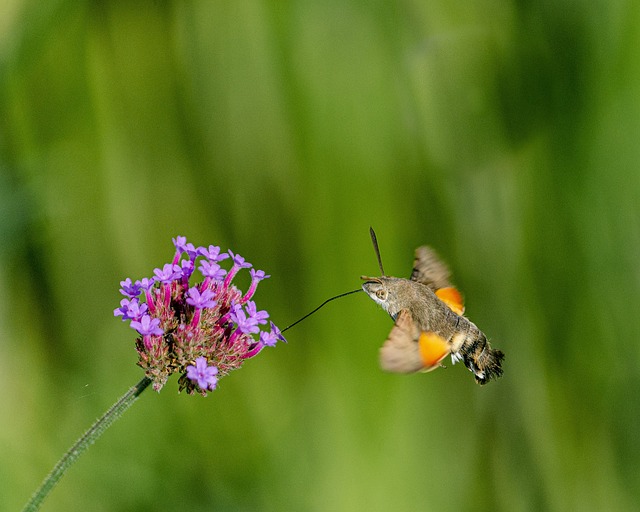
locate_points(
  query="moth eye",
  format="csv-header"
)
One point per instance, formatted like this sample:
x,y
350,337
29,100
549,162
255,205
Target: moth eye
x,y
381,294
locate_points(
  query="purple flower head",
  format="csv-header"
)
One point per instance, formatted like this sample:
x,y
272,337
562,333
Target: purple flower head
x,y
122,310
191,250
268,339
186,267
260,317
212,253
136,310
239,261
201,331
276,332
246,325
182,246
200,300
258,275
146,284
129,289
168,273
212,270
202,374
180,242
130,309
147,326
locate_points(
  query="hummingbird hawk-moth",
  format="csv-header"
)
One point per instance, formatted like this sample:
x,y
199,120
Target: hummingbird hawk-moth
x,y
429,321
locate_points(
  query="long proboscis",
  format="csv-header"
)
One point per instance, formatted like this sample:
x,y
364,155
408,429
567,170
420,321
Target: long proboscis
x,y
374,239
325,302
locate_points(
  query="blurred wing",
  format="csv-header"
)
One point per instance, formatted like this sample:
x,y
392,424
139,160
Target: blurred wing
x,y
430,270
452,298
400,352
433,349
407,350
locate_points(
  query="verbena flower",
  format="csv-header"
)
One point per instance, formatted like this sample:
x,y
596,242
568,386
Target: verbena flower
x,y
203,374
202,331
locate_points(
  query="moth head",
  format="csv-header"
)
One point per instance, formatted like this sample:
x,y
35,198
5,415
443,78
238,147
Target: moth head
x,y
377,289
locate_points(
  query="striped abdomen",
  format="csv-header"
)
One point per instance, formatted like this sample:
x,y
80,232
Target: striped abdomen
x,y
470,345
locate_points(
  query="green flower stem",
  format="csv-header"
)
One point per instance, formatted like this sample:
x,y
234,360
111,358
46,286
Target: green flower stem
x,y
89,437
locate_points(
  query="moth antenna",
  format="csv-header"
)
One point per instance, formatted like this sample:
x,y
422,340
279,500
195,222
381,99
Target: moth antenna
x,y
374,239
325,302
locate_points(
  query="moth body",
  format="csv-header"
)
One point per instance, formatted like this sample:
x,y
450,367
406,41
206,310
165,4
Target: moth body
x,y
429,322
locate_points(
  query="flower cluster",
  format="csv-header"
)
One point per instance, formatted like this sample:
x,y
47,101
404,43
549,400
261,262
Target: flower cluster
x,y
201,331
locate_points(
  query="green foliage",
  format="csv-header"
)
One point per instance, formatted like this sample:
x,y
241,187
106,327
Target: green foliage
x,y
503,134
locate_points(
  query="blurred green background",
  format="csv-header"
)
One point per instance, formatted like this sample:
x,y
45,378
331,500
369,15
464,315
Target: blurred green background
x,y
504,134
